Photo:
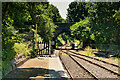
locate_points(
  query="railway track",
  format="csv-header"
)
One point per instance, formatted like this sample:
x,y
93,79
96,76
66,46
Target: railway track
x,y
106,65
79,59
66,68
96,59
76,70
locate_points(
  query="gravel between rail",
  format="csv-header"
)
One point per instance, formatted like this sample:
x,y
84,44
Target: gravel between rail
x,y
108,66
96,70
75,70
100,72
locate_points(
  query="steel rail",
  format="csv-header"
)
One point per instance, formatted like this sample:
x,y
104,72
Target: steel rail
x,y
95,64
71,77
95,77
96,59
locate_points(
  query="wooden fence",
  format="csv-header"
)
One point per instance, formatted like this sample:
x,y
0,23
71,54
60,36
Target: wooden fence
x,y
43,48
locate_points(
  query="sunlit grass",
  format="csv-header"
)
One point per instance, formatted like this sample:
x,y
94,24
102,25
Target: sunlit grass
x,y
88,51
70,47
114,58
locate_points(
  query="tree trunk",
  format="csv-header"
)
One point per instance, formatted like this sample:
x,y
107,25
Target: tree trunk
x,y
6,10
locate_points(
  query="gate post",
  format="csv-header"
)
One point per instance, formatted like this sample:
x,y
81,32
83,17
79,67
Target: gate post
x,y
49,48
33,45
53,43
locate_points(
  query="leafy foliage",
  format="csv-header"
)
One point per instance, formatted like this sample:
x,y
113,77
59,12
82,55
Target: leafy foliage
x,y
16,34
81,30
77,11
22,48
99,26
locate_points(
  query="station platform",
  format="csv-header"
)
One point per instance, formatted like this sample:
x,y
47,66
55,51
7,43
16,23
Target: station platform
x,y
39,68
55,64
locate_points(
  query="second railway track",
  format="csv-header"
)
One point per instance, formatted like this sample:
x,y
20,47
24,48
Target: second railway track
x,y
110,67
97,71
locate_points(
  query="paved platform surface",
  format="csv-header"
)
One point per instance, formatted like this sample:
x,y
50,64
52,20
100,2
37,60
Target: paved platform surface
x,y
39,68
55,64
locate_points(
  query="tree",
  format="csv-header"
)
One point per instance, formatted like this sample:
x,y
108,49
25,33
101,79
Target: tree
x,y
15,14
54,13
103,21
77,11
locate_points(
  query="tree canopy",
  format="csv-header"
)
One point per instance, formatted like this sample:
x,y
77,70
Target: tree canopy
x,y
17,34
98,21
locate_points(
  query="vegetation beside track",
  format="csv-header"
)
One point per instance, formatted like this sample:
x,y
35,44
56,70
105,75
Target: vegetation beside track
x,y
19,21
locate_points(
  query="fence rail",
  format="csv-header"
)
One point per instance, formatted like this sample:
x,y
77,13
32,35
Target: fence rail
x,y
43,48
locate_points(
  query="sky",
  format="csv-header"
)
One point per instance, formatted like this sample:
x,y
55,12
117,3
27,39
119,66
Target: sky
x,y
62,6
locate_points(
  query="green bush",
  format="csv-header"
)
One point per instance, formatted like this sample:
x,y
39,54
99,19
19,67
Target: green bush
x,y
7,55
5,67
22,48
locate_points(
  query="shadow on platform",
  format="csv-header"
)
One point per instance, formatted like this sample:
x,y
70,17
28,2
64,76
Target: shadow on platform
x,y
33,74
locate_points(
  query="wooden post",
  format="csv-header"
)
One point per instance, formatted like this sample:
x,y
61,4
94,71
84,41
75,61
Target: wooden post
x,y
38,47
44,47
36,41
33,44
49,48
